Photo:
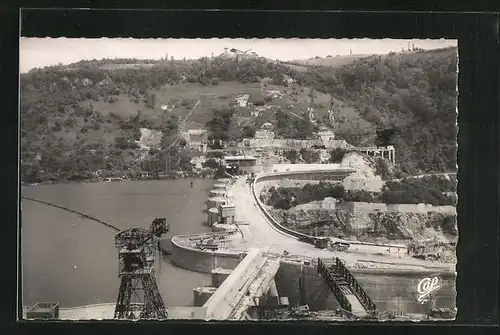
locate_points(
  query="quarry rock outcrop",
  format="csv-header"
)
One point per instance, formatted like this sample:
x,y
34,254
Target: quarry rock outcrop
x,y
364,178
379,227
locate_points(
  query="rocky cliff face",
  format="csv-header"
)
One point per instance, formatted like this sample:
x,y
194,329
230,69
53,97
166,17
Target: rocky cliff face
x,y
364,178
316,219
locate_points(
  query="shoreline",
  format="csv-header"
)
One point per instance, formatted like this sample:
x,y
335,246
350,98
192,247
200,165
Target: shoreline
x,y
371,266
93,181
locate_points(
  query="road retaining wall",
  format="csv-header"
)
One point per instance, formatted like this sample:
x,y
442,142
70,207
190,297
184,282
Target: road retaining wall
x,y
256,190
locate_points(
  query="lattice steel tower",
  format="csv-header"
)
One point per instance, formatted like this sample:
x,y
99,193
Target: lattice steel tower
x,y
138,297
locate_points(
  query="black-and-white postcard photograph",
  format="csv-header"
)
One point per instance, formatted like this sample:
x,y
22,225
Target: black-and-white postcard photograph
x,y
238,179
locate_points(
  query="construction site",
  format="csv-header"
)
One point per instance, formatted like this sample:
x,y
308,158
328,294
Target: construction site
x,y
261,270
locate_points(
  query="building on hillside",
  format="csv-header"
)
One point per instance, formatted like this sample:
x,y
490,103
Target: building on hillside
x,y
197,139
324,137
235,164
289,81
264,134
106,81
275,94
86,82
242,100
226,53
246,55
197,162
384,152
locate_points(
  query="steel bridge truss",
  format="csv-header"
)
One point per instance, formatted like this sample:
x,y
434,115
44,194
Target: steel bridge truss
x,y
340,279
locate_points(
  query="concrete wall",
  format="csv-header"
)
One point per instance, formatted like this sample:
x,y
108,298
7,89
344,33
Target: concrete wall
x,y
303,167
302,285
221,227
290,144
203,261
187,313
220,304
328,170
395,292
257,188
390,290
401,208
260,183
219,276
202,294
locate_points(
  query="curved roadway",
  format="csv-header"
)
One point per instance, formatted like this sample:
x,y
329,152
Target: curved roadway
x,y
260,233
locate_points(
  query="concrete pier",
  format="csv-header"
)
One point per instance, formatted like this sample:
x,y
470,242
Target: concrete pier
x,y
212,216
218,193
224,180
215,202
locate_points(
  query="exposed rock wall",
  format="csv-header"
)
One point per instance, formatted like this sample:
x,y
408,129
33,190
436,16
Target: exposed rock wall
x,y
368,226
364,178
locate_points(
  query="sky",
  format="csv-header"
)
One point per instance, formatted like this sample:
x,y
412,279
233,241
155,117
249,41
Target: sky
x,y
40,52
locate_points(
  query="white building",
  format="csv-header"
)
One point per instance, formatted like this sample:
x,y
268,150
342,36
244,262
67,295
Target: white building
x,y
196,139
242,100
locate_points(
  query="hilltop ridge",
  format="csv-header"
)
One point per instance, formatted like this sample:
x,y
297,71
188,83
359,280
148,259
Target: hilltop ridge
x,y
101,106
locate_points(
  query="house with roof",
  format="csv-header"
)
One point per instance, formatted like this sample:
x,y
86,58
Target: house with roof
x,y
197,139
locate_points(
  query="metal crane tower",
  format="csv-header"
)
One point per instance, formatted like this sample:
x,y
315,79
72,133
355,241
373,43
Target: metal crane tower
x,y
138,297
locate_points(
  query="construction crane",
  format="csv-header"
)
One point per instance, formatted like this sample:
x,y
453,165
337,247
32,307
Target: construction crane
x,y
138,296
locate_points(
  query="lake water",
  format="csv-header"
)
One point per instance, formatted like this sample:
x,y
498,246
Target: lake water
x,y
73,260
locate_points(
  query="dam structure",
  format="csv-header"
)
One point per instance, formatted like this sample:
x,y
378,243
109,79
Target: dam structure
x,y
262,270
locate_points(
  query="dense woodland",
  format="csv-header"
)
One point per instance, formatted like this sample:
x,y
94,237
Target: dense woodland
x,y
429,190
408,99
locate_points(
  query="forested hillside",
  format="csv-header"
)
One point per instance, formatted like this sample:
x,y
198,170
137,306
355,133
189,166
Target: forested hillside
x,y
86,116
413,94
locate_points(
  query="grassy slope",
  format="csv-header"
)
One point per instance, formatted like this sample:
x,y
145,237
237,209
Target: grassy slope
x,y
334,61
218,96
350,121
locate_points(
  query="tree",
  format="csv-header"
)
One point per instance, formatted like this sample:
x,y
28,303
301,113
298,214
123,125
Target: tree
x,y
218,126
385,136
336,155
